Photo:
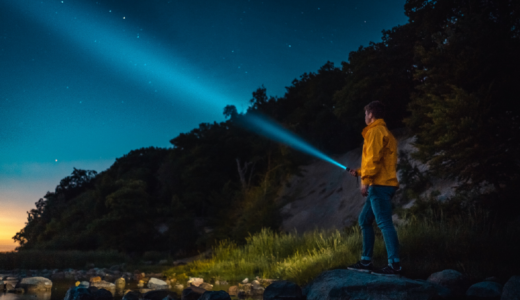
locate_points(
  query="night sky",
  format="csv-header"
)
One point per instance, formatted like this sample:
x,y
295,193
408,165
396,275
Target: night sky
x,y
83,82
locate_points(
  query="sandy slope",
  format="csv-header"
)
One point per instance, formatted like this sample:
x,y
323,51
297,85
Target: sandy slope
x,y
327,197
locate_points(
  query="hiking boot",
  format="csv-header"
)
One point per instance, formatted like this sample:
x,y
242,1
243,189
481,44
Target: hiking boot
x,y
361,267
390,270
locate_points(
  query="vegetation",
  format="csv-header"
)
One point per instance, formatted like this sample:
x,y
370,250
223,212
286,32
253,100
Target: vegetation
x,y
450,74
432,239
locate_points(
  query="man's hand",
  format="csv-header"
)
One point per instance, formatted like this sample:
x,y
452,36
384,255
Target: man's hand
x,y
353,173
364,190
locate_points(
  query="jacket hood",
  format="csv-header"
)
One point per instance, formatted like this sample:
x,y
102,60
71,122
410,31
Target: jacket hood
x,y
377,122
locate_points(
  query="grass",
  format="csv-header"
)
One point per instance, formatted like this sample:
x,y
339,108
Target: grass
x,y
475,244
35,259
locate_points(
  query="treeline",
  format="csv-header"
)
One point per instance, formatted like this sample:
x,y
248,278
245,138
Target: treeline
x,y
450,74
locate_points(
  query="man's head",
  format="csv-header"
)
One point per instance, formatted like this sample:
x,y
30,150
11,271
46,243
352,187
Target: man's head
x,y
373,111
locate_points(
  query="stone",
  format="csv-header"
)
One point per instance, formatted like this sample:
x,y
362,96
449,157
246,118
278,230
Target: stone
x,y
157,284
195,281
233,290
257,290
453,280
102,294
95,279
84,284
283,290
144,290
104,285
242,295
178,286
206,286
120,283
77,293
485,289
131,295
34,284
347,284
245,280
9,287
192,293
19,290
217,295
160,295
511,290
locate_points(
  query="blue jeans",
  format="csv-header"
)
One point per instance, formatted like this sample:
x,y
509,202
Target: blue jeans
x,y
379,207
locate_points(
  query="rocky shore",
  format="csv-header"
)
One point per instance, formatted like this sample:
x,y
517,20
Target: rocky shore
x,y
103,284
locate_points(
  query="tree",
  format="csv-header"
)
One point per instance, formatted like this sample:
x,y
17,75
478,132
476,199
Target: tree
x,y
464,111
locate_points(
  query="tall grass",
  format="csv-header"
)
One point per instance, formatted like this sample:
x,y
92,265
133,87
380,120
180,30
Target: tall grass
x,y
36,259
475,245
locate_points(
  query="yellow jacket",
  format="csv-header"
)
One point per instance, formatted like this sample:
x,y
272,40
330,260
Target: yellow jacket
x,y
379,160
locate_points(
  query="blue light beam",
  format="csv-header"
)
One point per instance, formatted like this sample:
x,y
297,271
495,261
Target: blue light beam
x,y
268,128
128,52
136,58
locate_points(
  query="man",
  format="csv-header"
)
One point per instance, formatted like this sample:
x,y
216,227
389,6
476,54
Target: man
x,y
378,184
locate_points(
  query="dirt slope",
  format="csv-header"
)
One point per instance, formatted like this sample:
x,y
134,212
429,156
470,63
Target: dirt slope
x,y
327,197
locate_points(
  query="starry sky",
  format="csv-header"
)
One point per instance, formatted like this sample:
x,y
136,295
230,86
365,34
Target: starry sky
x,y
83,82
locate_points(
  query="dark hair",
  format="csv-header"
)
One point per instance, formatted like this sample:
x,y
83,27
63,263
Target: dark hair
x,y
376,108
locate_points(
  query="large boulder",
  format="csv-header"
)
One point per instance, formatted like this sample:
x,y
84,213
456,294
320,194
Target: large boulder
x,y
283,290
157,284
34,284
131,295
485,289
218,295
192,293
160,295
102,294
511,290
453,280
346,284
76,293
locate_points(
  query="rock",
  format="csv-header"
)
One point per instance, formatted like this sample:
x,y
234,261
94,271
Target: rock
x,y
95,279
84,284
9,287
283,290
257,290
485,289
218,295
192,293
160,295
144,291
206,286
77,293
221,282
120,283
511,290
33,284
157,284
131,295
163,261
102,294
245,280
195,281
241,295
104,285
452,280
19,290
233,290
346,284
